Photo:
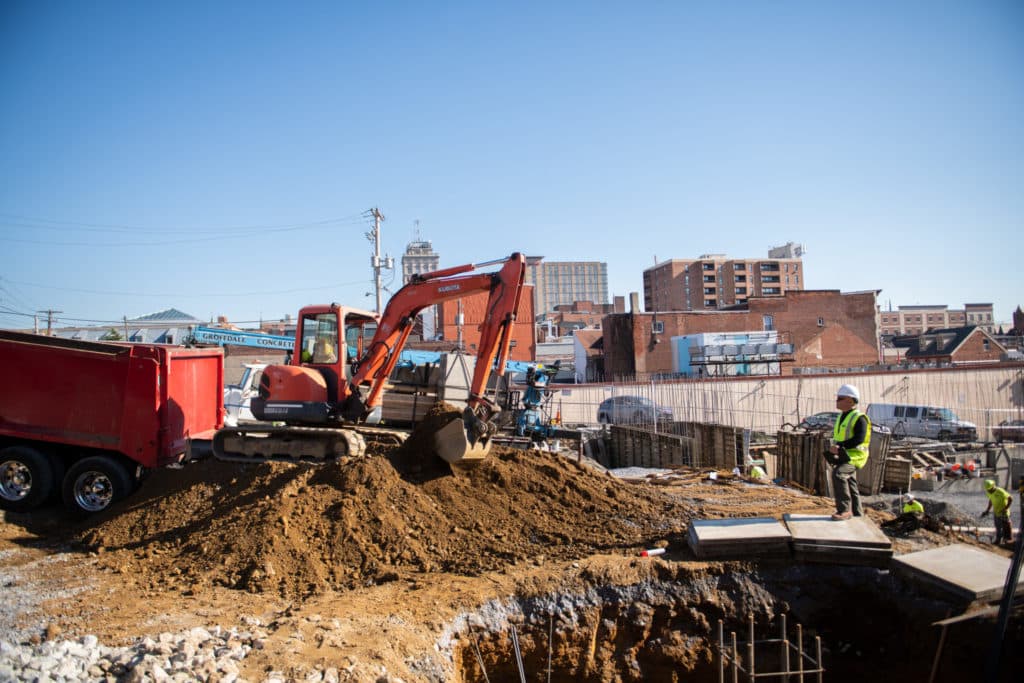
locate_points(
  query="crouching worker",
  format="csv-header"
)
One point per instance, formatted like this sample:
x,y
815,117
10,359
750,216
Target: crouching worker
x,y
910,519
851,438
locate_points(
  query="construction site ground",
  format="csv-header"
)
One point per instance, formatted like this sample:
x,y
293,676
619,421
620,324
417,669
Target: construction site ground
x,y
398,567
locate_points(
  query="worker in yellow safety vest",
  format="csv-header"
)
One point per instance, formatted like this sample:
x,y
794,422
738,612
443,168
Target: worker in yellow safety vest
x,y
851,438
913,506
999,500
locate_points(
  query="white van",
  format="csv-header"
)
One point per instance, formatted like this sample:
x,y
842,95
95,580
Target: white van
x,y
930,422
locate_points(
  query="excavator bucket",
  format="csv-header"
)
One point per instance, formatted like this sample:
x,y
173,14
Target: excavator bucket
x,y
456,446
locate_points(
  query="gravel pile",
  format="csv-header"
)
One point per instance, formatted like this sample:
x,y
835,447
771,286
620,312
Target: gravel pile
x,y
197,654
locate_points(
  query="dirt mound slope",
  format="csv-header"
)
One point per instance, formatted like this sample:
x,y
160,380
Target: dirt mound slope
x,y
297,530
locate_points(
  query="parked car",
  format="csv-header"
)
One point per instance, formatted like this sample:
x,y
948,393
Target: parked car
x,y
631,410
818,421
1009,430
930,422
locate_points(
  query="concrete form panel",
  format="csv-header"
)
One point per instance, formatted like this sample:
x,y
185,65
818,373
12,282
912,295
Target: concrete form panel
x,y
823,530
962,570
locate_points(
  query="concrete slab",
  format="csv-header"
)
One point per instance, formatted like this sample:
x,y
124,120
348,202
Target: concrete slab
x,y
859,532
739,538
964,571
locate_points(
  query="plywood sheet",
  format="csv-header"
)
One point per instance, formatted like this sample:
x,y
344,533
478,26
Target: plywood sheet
x,y
965,571
859,532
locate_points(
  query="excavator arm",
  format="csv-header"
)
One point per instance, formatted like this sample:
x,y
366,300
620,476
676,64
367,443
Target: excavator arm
x,y
468,439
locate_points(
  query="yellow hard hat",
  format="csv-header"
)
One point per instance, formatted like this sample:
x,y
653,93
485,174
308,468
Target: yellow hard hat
x,y
989,484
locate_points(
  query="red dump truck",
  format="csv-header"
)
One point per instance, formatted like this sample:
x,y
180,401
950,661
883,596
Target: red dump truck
x,y
87,420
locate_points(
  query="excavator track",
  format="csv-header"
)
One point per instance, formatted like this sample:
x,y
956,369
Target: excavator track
x,y
257,443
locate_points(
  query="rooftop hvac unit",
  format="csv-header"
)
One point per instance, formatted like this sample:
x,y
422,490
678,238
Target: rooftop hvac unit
x,y
749,349
785,348
730,350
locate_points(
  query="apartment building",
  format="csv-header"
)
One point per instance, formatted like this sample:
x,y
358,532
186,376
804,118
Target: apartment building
x,y
919,319
714,281
559,283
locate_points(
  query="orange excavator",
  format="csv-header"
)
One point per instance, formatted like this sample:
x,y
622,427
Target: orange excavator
x,y
326,403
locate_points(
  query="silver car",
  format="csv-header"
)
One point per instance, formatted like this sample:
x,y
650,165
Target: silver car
x,y
631,410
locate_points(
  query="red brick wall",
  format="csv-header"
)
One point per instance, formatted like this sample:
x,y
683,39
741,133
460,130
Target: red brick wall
x,y
847,338
474,309
973,349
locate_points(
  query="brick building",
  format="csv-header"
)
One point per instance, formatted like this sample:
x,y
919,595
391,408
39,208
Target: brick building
x,y
961,345
473,310
579,315
827,328
714,281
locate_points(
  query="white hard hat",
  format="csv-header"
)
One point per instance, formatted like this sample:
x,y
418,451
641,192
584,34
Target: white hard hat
x,y
849,390
910,496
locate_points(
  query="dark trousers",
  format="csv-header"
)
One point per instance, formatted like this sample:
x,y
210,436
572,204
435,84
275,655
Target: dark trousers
x,y
1004,530
844,487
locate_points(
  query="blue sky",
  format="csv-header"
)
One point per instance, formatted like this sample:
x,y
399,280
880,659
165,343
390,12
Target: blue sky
x,y
218,157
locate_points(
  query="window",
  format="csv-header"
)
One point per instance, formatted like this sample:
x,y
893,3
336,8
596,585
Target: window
x,y
740,278
771,290
741,290
985,345
898,411
709,303
821,322
657,327
769,322
709,290
911,411
709,278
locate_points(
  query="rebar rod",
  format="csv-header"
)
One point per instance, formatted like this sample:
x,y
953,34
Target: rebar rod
x,y
735,660
800,648
519,655
551,631
721,652
750,649
784,660
818,664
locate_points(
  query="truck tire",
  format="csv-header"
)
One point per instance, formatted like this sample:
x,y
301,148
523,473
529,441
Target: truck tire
x,y
95,483
26,478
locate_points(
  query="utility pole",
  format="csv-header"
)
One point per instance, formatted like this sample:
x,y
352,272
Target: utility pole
x,y
49,320
376,261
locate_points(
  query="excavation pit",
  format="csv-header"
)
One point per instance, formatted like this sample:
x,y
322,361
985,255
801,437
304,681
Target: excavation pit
x,y
869,622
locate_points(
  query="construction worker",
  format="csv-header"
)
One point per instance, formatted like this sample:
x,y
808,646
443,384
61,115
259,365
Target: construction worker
x,y
910,519
756,472
851,437
999,501
913,507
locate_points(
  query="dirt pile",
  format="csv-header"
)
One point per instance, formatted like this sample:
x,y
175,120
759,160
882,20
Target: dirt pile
x,y
298,530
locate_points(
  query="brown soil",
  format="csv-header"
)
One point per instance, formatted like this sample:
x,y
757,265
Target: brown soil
x,y
387,549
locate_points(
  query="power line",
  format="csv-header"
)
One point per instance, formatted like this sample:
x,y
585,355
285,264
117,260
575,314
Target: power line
x,y
353,219
169,295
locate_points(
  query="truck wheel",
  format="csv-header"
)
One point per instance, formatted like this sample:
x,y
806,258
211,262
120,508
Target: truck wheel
x,y
899,431
26,478
95,483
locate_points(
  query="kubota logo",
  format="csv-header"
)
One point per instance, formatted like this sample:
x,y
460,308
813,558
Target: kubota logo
x,y
449,288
